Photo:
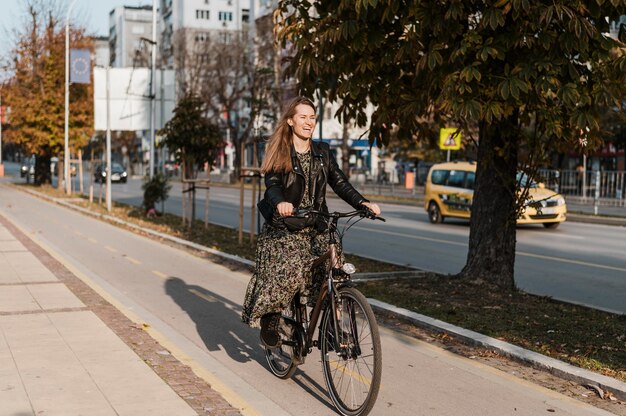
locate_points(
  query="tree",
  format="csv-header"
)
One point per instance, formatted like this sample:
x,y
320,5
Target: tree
x,y
213,66
236,90
35,91
191,136
528,74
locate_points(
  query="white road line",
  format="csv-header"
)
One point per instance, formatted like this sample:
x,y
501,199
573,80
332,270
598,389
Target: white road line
x,y
519,253
158,273
132,260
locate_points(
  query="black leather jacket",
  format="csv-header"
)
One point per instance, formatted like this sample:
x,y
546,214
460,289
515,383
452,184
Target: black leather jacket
x,y
289,187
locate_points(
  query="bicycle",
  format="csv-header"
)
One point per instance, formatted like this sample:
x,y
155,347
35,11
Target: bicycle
x,y
347,335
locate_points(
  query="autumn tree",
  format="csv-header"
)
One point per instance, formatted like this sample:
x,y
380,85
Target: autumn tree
x,y
35,90
529,75
191,136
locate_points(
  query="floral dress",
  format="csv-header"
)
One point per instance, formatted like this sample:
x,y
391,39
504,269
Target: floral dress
x,y
283,263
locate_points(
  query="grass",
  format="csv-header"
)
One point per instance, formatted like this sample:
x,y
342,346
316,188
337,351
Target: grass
x,y
585,337
582,336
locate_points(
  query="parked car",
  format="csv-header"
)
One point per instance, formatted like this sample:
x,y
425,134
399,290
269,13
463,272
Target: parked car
x,y
118,173
449,192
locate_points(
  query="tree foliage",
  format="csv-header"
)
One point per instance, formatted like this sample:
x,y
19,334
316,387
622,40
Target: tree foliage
x,y
35,91
191,136
529,75
155,190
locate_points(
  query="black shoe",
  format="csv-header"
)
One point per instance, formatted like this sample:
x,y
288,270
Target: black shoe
x,y
270,324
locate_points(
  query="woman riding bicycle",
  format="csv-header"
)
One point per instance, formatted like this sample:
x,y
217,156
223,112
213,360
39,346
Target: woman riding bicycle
x,y
297,171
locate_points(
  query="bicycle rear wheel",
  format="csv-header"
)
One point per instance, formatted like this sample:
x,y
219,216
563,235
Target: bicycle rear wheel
x,y
353,373
281,359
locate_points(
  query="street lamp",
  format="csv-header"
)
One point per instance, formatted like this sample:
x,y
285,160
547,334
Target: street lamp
x,y
66,156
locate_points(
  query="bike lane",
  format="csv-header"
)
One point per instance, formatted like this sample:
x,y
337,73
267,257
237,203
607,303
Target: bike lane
x,y
194,305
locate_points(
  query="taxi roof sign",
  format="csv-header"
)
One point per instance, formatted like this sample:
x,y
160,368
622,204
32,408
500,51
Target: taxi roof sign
x,y
450,138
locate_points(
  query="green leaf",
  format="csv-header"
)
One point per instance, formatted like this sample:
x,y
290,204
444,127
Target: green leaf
x,y
505,89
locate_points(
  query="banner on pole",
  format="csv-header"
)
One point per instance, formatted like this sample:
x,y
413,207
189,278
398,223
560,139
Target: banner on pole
x,y
450,138
80,66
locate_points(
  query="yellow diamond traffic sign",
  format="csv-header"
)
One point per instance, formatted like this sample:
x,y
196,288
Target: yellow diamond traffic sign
x,y
450,138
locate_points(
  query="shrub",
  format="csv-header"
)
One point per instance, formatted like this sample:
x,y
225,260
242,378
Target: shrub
x,y
155,190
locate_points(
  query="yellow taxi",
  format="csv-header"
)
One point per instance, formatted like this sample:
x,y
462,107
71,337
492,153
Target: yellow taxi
x,y
449,191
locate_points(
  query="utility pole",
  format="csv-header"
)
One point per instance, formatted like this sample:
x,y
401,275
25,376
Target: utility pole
x,y
66,155
153,89
108,142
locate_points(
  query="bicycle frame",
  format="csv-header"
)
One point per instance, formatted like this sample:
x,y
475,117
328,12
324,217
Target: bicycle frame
x,y
327,290
346,324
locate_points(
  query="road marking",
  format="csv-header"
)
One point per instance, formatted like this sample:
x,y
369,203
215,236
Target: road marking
x,y
78,232
161,275
208,298
578,262
416,237
519,253
345,370
111,249
92,240
132,260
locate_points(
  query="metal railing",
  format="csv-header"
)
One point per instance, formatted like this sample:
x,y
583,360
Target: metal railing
x,y
598,187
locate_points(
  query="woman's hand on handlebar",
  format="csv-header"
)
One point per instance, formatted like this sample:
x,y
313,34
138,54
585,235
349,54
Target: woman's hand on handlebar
x,y
372,207
285,209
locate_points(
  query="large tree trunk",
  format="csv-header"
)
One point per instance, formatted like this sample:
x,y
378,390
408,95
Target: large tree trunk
x,y
42,170
491,254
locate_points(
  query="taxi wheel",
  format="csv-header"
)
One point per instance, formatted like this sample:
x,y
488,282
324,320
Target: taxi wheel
x,y
434,213
551,225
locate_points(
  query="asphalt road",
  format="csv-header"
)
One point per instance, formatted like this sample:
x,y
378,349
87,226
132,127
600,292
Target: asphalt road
x,y
192,306
577,262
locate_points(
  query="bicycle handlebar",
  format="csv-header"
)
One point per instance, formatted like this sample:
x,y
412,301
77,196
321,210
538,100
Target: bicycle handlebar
x,y
364,212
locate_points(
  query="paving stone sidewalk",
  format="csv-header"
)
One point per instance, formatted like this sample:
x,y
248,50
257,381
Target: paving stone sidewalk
x,y
65,351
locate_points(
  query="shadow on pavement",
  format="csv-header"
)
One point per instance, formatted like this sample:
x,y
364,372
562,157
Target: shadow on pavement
x,y
218,321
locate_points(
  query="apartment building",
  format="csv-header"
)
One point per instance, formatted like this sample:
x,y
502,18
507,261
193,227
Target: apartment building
x,y
199,19
128,25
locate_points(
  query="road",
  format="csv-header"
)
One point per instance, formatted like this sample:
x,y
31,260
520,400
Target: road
x,y
577,262
192,306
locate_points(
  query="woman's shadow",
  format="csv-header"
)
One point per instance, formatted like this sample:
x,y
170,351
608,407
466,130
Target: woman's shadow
x,y
218,321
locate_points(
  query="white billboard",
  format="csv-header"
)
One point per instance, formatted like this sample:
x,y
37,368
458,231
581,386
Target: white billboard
x,y
129,95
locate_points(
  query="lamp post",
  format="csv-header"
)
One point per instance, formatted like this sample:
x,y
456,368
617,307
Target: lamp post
x,y
66,154
153,88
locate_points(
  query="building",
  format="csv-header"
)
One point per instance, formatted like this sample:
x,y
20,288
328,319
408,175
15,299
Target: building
x,y
102,52
129,27
200,19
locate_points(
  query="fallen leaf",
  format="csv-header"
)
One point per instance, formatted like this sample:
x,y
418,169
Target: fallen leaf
x,y
596,389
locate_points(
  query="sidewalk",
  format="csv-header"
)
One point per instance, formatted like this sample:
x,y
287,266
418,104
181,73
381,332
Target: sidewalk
x,y
65,351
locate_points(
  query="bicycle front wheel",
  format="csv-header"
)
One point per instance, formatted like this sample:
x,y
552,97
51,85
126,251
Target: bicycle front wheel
x,y
353,372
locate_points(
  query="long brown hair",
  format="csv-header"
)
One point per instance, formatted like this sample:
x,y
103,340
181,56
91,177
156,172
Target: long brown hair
x,y
278,150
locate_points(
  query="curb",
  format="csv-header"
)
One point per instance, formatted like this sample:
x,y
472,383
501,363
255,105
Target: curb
x,y
557,367
593,219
